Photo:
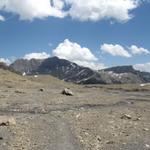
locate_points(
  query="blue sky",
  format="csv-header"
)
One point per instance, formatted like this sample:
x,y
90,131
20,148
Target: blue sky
x,y
106,38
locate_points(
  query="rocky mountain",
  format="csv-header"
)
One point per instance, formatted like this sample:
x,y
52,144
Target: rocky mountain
x,y
26,66
68,71
71,72
122,69
60,68
127,74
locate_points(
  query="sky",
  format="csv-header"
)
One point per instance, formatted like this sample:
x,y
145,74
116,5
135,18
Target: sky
x,y
97,34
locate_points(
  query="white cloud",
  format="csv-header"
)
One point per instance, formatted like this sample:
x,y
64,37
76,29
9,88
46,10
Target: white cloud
x,y
138,50
2,18
143,67
92,10
115,50
102,9
42,55
75,53
4,60
30,9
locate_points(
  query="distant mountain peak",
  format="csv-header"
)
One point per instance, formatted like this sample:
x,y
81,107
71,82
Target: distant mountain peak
x,y
121,69
69,71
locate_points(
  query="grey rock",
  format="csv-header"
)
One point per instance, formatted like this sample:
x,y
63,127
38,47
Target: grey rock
x,y
1,138
67,92
126,116
7,121
42,89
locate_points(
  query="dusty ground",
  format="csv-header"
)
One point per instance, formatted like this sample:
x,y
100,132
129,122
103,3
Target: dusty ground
x,y
95,118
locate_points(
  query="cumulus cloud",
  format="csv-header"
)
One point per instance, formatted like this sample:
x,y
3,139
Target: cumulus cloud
x,y
138,50
75,53
115,50
4,60
42,55
102,9
143,67
30,9
92,10
2,18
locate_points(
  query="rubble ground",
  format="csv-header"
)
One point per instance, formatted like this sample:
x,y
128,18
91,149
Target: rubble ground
x,y
35,115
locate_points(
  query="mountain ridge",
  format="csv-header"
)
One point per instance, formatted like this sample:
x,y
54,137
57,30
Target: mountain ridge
x,y
71,72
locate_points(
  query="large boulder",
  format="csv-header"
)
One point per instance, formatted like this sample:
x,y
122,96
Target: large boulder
x,y
67,92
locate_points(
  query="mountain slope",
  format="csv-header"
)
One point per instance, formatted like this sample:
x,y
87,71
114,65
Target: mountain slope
x,y
27,66
128,74
4,66
60,68
68,71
